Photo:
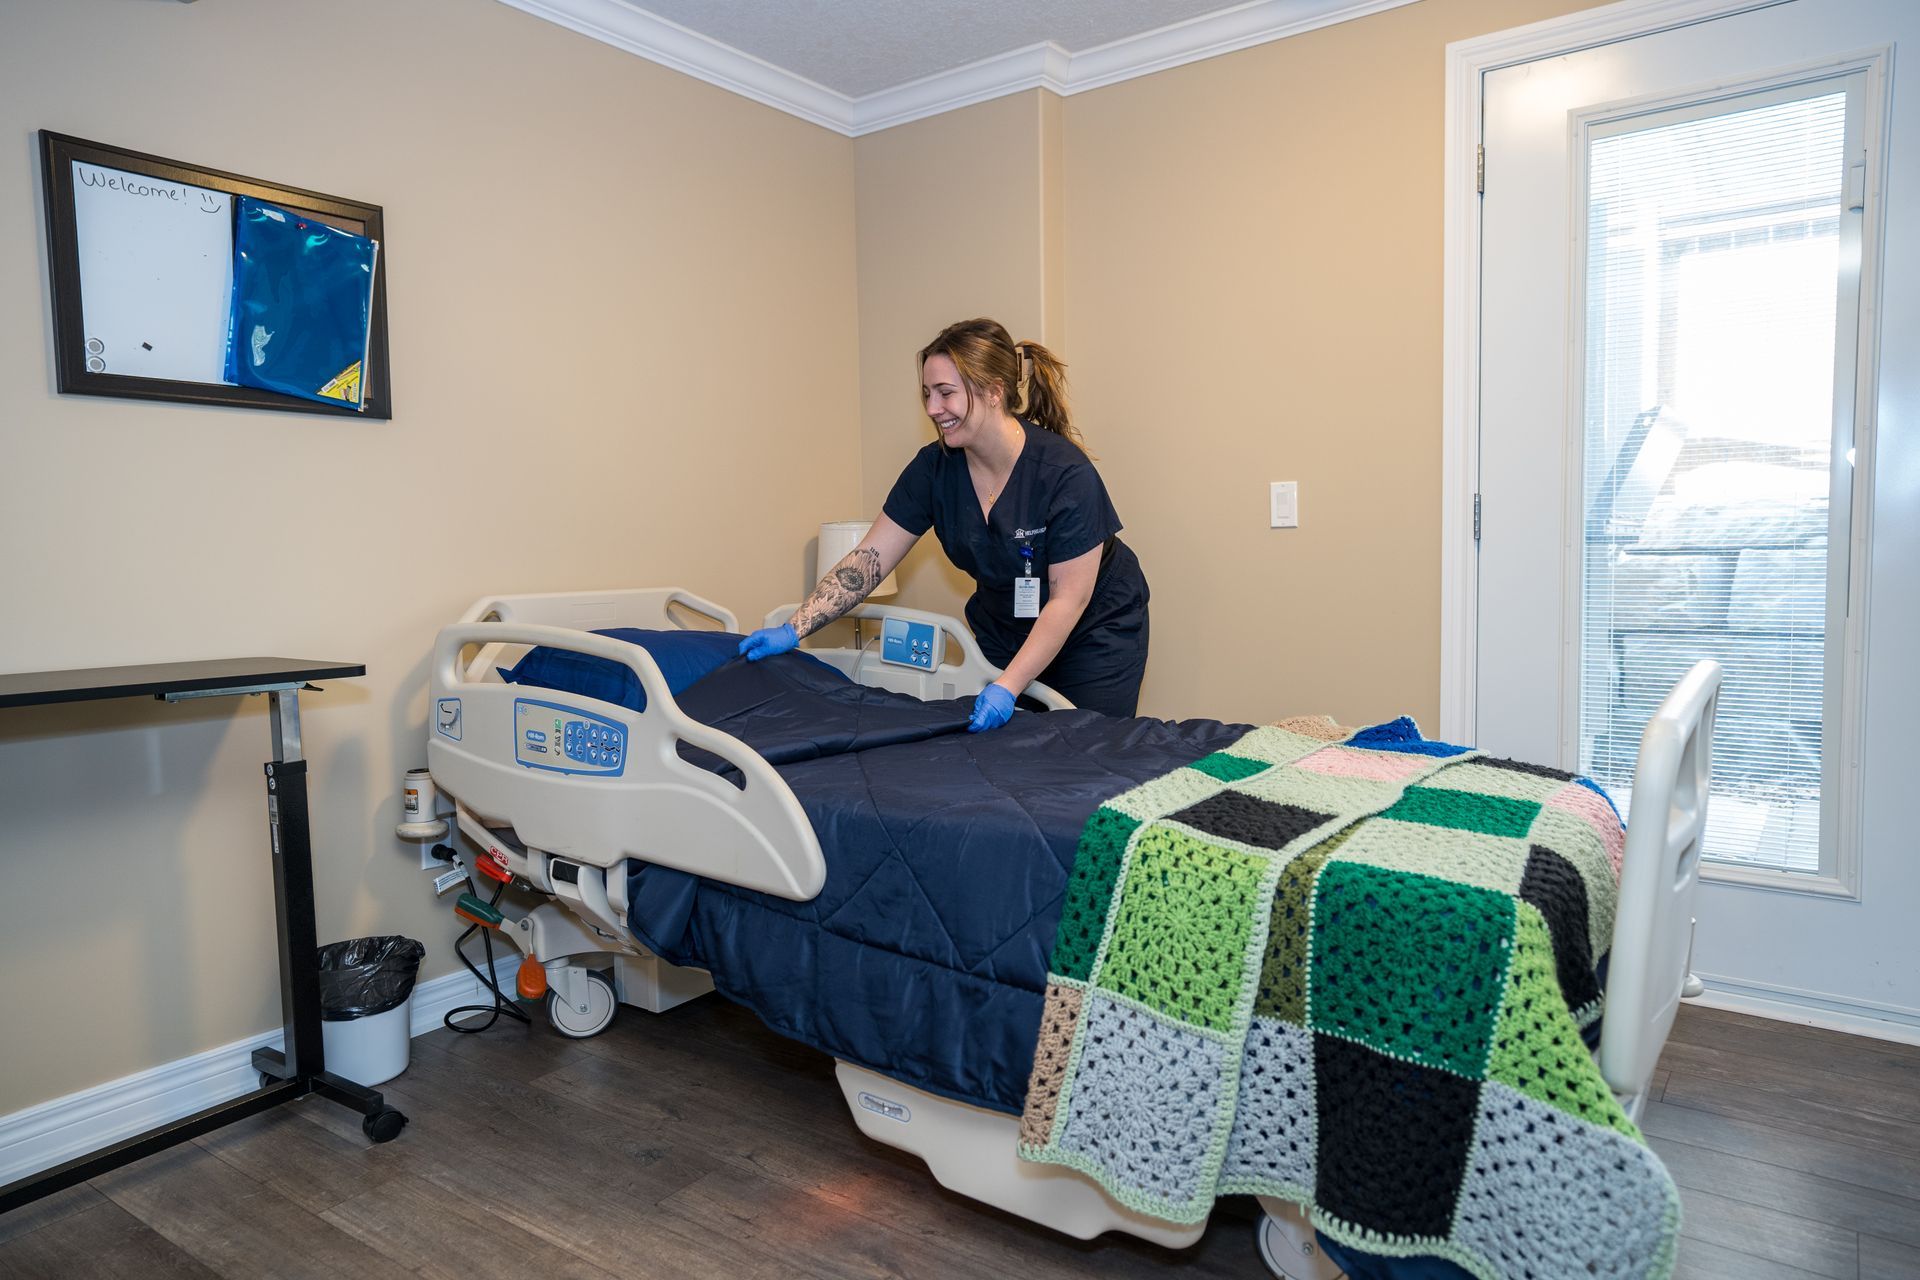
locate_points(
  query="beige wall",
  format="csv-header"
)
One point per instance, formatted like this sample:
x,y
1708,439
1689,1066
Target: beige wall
x,y
959,216
610,285
1254,275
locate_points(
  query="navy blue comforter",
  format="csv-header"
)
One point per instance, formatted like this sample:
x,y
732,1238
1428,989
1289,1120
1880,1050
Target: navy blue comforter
x,y
925,955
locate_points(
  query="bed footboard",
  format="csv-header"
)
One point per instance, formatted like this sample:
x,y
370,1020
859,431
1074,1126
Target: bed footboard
x,y
640,799
1659,881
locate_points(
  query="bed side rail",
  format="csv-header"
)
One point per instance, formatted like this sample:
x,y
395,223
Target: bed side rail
x,y
1659,876
658,807
968,676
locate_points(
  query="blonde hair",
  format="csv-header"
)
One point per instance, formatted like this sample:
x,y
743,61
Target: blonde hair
x,y
987,356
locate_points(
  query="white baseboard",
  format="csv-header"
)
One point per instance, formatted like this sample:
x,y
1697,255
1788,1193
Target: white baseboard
x,y
1812,1009
53,1132
432,1001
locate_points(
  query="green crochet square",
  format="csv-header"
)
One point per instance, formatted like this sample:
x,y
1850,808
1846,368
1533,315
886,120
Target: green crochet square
x,y
1083,913
1322,792
1409,965
1537,1048
1180,928
1283,972
1470,775
1465,811
1491,862
1229,768
1275,745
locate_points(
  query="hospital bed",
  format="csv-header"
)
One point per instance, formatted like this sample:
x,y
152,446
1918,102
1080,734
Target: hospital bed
x,y
667,790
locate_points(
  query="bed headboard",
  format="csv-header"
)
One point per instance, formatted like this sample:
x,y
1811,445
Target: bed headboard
x,y
649,608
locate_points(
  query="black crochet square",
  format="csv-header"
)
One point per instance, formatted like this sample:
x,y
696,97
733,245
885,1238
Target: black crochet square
x,y
1264,824
1521,766
1556,890
1394,1138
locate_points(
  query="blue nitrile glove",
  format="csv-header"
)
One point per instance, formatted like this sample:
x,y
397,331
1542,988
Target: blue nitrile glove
x,y
993,708
768,641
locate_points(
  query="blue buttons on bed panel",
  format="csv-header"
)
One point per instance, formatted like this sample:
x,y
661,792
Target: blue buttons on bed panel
x,y
564,739
908,644
594,743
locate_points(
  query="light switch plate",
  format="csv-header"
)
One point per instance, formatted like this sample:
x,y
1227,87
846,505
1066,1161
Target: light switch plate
x,y
1284,503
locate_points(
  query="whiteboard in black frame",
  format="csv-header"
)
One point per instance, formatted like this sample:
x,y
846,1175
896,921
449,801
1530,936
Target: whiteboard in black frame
x,y
140,255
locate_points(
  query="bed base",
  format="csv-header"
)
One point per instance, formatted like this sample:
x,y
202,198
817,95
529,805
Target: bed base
x,y
971,1150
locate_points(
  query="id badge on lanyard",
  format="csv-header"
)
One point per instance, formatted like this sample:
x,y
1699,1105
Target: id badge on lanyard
x,y
1026,590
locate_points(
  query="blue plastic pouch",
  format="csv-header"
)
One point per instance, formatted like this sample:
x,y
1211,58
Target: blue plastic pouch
x,y
302,305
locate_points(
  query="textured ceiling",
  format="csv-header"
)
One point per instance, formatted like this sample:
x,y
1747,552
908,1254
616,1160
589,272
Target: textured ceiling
x,y
858,47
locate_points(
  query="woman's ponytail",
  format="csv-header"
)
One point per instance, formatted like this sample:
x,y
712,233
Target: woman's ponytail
x,y
1047,390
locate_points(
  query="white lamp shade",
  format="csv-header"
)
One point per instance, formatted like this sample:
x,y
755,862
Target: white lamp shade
x,y
837,538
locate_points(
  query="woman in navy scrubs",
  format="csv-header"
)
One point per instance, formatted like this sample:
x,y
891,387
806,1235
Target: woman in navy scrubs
x,y
1018,507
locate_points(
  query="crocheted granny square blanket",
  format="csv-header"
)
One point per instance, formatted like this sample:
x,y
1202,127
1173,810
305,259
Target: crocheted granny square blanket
x,y
1353,975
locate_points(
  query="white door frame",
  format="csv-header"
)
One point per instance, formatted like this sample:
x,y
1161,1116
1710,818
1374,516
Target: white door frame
x,y
1467,62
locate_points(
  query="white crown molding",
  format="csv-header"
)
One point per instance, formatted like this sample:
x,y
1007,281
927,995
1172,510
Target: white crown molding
x,y
1210,35
1038,66
57,1131
625,25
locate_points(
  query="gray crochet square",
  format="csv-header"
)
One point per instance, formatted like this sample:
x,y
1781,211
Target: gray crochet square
x,y
1273,1125
1143,1101
1547,1194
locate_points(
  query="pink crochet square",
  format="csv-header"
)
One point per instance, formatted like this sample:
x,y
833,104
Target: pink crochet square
x,y
1345,762
1585,805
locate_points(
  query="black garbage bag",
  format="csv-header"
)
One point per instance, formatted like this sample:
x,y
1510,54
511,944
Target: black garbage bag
x,y
364,976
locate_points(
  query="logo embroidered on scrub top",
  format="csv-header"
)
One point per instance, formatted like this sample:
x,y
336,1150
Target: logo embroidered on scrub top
x,y
1029,533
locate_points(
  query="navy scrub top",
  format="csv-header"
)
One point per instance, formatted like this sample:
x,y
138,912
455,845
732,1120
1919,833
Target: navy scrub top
x,y
1055,504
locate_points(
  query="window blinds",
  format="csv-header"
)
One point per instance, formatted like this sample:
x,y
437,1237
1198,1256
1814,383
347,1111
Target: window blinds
x,y
1713,256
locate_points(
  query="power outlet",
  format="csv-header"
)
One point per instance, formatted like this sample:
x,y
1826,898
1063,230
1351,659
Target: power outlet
x,y
1284,504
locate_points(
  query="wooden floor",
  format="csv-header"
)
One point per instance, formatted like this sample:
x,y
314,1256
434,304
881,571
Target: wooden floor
x,y
698,1144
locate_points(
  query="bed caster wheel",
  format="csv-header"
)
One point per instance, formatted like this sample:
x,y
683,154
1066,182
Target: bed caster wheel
x,y
1288,1247
571,1022
383,1125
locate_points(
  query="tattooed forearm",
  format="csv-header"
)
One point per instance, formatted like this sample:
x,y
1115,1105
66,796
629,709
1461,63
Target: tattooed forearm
x,y
846,586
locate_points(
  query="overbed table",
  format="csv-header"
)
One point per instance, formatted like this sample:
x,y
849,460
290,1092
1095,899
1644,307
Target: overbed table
x,y
301,1068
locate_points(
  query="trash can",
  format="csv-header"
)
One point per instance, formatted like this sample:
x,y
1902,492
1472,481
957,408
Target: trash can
x,y
366,1006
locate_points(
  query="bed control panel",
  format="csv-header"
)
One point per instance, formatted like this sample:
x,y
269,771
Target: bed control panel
x,y
547,735
910,644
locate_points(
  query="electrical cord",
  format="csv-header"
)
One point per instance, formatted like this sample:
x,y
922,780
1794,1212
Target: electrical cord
x,y
500,1003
